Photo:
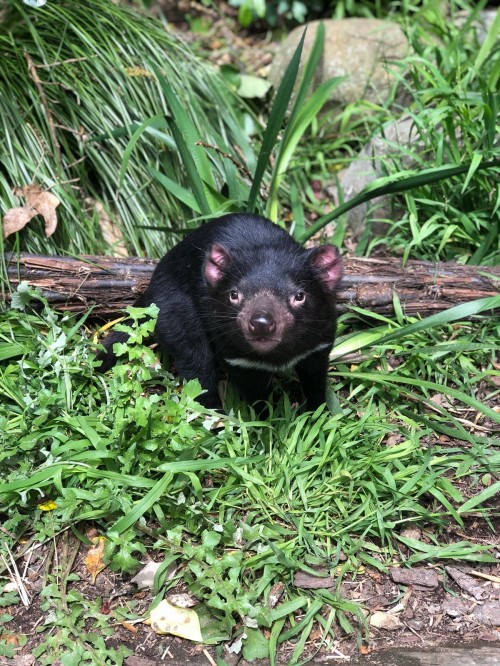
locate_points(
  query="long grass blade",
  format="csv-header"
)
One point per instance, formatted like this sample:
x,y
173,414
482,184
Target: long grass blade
x,y
275,122
394,185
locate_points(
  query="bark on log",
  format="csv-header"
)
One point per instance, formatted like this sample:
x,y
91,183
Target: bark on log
x,y
110,283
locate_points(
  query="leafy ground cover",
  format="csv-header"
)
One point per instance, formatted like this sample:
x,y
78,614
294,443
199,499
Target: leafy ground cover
x,y
235,509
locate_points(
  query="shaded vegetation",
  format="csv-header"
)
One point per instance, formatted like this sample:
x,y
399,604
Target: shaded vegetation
x,y
68,132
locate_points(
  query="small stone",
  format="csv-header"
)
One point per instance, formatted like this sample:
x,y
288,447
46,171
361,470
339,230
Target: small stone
x,y
454,607
488,613
387,621
412,533
419,578
146,576
417,624
466,582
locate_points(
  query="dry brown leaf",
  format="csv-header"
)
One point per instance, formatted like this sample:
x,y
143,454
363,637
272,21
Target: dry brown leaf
x,y
111,232
46,204
17,218
10,639
38,202
94,560
275,594
129,627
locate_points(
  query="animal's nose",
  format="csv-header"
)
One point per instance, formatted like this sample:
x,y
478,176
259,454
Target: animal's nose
x,y
262,324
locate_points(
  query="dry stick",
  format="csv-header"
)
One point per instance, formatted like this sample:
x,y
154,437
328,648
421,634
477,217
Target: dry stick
x,y
64,62
110,284
38,83
241,167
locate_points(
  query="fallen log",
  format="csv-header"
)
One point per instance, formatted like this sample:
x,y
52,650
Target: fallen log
x,y
109,284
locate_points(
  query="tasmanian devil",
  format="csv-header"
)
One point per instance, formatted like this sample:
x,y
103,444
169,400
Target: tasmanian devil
x,y
241,294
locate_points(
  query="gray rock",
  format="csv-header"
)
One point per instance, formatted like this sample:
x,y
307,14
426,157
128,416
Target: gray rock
x,y
466,655
369,166
488,613
361,49
454,606
418,577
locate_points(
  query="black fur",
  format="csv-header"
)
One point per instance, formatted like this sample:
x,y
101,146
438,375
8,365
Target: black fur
x,y
240,293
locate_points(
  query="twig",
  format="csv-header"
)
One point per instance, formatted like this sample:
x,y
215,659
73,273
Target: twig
x,y
65,62
16,578
241,167
38,83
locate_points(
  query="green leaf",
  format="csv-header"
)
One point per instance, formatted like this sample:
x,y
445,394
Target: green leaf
x,y
251,86
23,295
476,161
175,189
194,158
255,646
157,122
479,499
274,123
143,505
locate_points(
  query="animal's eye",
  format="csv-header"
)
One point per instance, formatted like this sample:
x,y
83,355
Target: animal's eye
x,y
234,296
299,297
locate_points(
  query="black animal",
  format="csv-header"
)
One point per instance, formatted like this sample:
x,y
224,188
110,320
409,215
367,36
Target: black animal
x,y
240,293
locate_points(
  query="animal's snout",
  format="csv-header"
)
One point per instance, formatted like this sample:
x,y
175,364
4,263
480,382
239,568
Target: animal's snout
x,y
262,324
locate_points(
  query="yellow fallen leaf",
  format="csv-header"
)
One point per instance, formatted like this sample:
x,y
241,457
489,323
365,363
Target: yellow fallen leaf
x,y
48,505
169,619
94,560
105,327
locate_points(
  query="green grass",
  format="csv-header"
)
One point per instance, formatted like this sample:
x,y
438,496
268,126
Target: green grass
x,y
450,85
94,60
241,504
237,503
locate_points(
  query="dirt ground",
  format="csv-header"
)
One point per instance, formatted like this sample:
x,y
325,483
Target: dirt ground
x,y
420,607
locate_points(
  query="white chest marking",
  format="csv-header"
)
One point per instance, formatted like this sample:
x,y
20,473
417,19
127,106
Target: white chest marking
x,y
275,367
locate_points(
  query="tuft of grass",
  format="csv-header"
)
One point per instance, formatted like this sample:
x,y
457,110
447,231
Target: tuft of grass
x,y
447,202
66,123
241,504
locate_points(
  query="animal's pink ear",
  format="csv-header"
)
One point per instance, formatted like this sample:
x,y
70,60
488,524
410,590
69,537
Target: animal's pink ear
x,y
216,264
328,262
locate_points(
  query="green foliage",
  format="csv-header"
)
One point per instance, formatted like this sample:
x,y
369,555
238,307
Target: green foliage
x,y
452,206
91,90
274,12
180,139
201,194
448,206
68,639
455,112
244,505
